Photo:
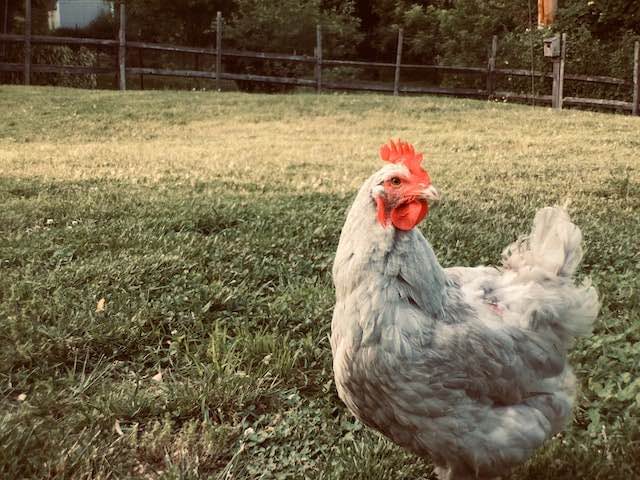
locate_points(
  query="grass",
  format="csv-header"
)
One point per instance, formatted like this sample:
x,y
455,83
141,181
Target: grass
x,y
165,289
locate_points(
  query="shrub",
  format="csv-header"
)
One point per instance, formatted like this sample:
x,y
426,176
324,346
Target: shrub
x,y
459,33
57,55
62,55
288,26
103,26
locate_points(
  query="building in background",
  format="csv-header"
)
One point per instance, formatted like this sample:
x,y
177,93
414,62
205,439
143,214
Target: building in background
x,y
76,13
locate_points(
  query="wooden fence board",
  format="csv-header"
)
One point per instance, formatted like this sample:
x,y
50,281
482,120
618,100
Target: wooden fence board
x,y
11,67
463,92
597,102
269,56
516,72
71,69
225,76
163,47
413,66
11,38
49,40
268,79
356,63
596,79
524,97
358,85
167,72
317,81
446,68
227,52
519,72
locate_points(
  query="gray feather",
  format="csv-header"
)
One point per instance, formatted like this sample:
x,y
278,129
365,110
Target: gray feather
x,y
465,365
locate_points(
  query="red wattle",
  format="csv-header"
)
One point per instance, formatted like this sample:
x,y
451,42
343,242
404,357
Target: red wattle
x,y
407,215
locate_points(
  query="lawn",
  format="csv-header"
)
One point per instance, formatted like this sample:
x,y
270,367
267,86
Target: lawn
x,y
165,275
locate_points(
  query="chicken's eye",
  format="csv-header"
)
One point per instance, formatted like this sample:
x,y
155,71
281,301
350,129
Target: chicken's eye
x,y
395,181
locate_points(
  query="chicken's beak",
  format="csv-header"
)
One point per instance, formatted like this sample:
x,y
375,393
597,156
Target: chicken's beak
x,y
431,194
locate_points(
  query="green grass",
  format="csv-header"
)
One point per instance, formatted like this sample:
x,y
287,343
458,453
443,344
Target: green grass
x,y
208,222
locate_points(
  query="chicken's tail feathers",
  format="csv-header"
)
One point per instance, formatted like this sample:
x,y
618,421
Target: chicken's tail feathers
x,y
554,245
549,257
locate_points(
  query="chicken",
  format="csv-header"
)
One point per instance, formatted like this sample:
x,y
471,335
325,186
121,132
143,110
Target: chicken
x,y
467,366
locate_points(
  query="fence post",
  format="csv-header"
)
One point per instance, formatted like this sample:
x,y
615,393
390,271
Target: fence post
x,y
140,60
636,80
558,75
27,42
563,54
218,49
556,83
141,65
318,59
491,68
122,47
396,80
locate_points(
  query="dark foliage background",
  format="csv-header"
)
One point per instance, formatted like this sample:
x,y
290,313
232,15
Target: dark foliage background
x,y
452,32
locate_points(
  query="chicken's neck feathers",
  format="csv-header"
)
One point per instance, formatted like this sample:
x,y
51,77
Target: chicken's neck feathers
x,y
386,258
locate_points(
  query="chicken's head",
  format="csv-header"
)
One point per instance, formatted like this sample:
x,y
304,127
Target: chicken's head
x,y
402,189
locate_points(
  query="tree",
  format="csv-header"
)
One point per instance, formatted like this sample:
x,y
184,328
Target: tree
x,y
185,22
605,20
289,26
14,19
445,31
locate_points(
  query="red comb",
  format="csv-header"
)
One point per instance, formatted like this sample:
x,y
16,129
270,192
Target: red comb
x,y
402,152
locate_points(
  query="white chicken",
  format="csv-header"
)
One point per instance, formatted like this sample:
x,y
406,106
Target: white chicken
x,y
467,366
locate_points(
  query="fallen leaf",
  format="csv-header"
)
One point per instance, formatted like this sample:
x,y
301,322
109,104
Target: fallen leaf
x,y
101,305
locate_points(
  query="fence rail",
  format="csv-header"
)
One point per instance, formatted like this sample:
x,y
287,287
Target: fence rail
x,y
121,45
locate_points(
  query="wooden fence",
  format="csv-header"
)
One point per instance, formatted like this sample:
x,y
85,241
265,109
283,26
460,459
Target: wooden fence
x,y
490,72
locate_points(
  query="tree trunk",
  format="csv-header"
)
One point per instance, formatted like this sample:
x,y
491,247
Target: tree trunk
x,y
11,9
